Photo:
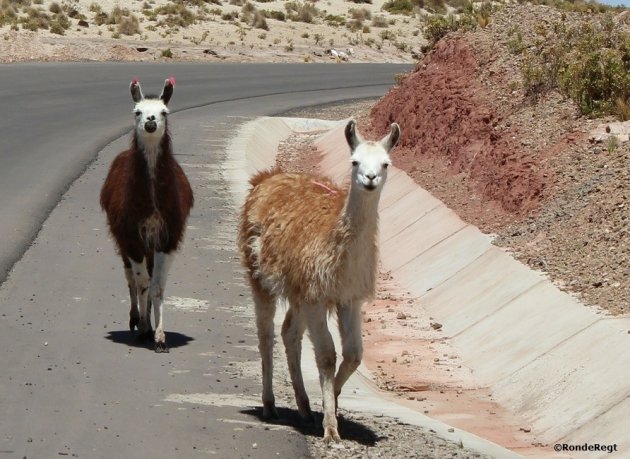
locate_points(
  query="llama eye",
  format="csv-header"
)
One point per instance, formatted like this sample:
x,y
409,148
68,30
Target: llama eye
x,y
138,112
164,113
355,163
385,165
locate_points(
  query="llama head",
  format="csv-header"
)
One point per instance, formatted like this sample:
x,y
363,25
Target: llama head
x,y
370,159
151,111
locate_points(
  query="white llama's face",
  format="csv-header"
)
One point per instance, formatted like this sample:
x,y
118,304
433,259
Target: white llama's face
x,y
370,160
150,118
369,165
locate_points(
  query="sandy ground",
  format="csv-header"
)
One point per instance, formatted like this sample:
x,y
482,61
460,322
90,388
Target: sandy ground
x,y
212,36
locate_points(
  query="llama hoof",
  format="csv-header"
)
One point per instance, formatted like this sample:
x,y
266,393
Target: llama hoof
x,y
331,434
270,412
134,322
161,348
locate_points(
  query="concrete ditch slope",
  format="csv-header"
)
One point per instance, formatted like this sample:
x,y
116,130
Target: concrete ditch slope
x,y
561,367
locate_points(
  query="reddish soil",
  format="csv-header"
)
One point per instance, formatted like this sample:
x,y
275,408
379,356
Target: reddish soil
x,y
446,114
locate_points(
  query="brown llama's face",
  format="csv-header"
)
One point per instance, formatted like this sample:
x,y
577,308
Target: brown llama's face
x,y
151,112
150,115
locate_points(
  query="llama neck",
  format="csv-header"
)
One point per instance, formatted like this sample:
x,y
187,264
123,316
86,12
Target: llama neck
x,y
151,148
361,212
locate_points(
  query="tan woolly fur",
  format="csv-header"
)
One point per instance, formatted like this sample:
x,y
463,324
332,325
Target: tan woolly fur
x,y
305,240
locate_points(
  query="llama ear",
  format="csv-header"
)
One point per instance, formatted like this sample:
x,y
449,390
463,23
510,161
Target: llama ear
x,y
136,91
167,92
391,139
352,137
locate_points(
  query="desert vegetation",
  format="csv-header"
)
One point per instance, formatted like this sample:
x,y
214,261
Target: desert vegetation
x,y
402,30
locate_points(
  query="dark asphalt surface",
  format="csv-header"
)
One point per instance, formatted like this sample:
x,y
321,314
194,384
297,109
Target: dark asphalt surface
x,y
74,382
56,117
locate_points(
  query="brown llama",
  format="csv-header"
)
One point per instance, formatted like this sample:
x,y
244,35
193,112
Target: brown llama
x,y
147,199
307,241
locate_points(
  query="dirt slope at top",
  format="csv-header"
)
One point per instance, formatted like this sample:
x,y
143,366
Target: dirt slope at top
x,y
522,169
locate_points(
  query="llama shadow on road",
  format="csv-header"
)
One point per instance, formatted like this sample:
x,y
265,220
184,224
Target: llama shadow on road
x,y
128,338
349,429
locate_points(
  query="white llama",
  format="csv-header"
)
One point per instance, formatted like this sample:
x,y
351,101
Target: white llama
x,y
313,244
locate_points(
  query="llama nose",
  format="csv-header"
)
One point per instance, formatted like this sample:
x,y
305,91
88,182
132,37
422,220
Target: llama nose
x,y
370,176
150,126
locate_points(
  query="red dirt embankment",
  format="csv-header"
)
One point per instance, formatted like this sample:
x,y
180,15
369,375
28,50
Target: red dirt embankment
x,y
446,114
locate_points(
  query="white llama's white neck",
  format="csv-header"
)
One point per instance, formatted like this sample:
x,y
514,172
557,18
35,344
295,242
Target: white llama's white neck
x,y
361,211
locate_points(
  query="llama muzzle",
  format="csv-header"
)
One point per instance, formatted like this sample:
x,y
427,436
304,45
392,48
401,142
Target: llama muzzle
x,y
150,126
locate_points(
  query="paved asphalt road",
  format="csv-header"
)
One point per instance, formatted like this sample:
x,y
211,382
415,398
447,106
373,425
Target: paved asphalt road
x,y
55,117
74,382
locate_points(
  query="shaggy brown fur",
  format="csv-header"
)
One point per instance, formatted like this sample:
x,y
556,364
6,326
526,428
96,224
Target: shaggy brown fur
x,y
128,199
298,222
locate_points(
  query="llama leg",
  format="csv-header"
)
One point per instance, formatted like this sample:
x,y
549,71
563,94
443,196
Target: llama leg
x,y
265,307
326,359
161,265
141,278
349,318
292,332
134,314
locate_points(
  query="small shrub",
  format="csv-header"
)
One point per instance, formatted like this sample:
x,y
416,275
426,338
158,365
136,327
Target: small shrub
x,y
401,46
380,21
57,29
95,8
516,44
613,143
35,19
399,6
386,35
259,21
274,14
129,25
301,11
167,53
435,6
437,27
335,20
360,14
354,25
176,15
55,8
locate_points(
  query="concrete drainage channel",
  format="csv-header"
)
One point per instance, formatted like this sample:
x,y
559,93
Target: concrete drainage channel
x,y
559,366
